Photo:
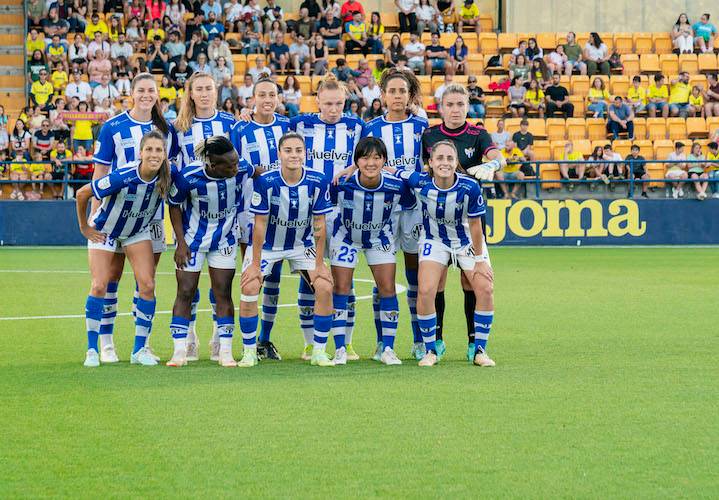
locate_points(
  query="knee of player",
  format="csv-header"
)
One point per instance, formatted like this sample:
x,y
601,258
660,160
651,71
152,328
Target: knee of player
x,y
250,291
185,293
386,289
323,288
98,288
425,289
146,285
483,285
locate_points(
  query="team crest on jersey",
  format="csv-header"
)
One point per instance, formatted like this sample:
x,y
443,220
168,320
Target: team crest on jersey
x,y
256,199
294,202
351,134
103,183
397,139
330,133
469,152
417,137
271,143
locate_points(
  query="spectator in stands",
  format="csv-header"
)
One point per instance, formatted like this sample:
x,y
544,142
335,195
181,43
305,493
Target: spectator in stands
x,y
374,34
34,42
476,98
105,106
427,17
59,156
407,15
300,55
18,172
436,57
75,17
511,171
219,48
78,88
540,72
168,112
56,52
658,96
156,9
212,27
313,9
245,90
35,10
704,33
557,60
220,71
176,12
305,25
712,167
677,170
96,24
696,102
43,140
274,13
373,111
331,7
37,64
596,55
516,93
82,130
54,25
211,6
195,47
696,172
679,92
135,9
155,30
123,49
201,65
343,72
379,67
349,7
82,171
402,64
97,43
557,98
354,110
448,15
176,49
292,96
157,56
4,135
99,66
637,95
227,90
469,16
279,53
575,56
179,74
533,51
354,95
105,90
364,73
520,69
683,35
501,136
356,35
134,31
598,98
233,16
19,140
394,50
520,49
596,169
415,52
621,119
615,168
370,92
259,69
458,56
331,31
39,171
319,56
440,90
636,167
534,98
711,96
524,139
41,91
569,171
114,29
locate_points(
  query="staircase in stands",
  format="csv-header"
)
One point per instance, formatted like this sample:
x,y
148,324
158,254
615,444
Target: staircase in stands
x,y
12,56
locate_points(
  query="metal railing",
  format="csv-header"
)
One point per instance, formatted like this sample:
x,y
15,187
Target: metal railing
x,y
66,181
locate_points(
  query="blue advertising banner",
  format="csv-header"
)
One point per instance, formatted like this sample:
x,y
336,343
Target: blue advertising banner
x,y
524,222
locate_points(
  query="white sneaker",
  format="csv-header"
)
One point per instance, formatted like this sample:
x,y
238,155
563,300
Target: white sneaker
x,y
179,358
143,357
675,193
389,357
214,351
481,359
429,359
151,352
716,195
681,192
377,356
108,354
193,351
92,359
225,358
340,356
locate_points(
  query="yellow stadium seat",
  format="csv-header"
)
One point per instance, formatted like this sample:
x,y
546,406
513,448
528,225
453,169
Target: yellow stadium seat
x,y
607,39
582,38
646,148
425,82
623,147
623,43
649,63
488,43
708,63
556,129
308,104
662,148
427,101
669,64
475,64
305,84
656,128
557,148
583,146
507,42
550,172
688,63
486,22
696,128
490,124
561,38
470,40
511,125
662,43
643,43
576,128
483,81
434,121
698,79
640,128
580,85
677,128
619,85
496,107
547,41
426,38
447,39
630,63
596,129
537,127
525,36
713,125
579,104
390,19
542,150
599,143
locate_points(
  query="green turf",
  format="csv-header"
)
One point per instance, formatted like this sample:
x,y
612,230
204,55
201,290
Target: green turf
x,y
607,385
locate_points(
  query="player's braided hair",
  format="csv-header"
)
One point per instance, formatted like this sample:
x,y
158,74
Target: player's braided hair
x,y
164,178
414,88
217,145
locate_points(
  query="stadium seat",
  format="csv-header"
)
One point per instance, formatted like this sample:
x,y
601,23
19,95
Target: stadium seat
x,y
511,125
557,148
483,81
580,85
537,127
713,125
486,22
646,148
623,147
669,64
488,43
649,63
623,43
579,104
475,64
561,38
490,124
447,39
677,128
434,121
619,84
696,128
656,128
640,128
643,43
547,41
662,43
506,42
390,19
308,104
608,40
425,82
688,63
596,129
550,172
582,38
584,146
698,79
708,63
542,150
662,148
630,62
556,129
576,128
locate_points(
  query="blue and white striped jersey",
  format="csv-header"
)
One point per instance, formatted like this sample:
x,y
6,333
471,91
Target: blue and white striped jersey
x,y
210,205
329,146
290,208
445,212
128,202
365,214
183,143
119,140
403,140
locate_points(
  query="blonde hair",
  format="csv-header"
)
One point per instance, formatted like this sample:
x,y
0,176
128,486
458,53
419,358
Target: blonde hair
x,y
187,111
330,82
455,88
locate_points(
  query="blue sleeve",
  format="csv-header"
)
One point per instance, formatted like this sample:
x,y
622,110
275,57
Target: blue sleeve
x,y
322,204
180,189
235,138
334,193
105,146
294,121
411,178
245,170
407,199
475,207
110,184
260,199
174,149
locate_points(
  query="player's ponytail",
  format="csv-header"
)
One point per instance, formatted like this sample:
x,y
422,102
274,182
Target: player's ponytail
x,y
157,119
414,88
330,82
187,110
164,178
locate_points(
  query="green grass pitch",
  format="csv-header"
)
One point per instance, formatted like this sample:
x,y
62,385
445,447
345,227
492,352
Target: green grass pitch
x,y
607,384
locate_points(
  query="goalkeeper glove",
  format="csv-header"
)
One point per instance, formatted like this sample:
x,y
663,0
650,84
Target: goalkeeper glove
x,y
485,171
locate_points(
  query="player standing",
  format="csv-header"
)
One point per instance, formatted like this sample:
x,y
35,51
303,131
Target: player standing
x,y
452,205
204,198
289,207
401,131
367,202
197,120
473,143
118,144
256,141
130,196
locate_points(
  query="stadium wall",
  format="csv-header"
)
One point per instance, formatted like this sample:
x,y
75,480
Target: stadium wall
x,y
525,222
526,16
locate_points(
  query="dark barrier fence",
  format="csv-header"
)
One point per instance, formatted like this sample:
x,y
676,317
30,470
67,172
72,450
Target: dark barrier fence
x,y
524,222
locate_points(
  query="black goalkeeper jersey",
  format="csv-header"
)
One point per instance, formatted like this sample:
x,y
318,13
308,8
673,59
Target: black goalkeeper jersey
x,y
473,142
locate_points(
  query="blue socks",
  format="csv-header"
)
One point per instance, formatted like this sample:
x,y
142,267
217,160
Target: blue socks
x,y
144,313
389,318
375,310
351,303
248,327
411,275
339,321
482,325
323,324
179,327
213,303
110,309
306,306
270,298
93,316
428,328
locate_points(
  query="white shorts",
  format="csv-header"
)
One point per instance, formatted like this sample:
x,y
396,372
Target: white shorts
x,y
408,227
116,245
344,255
157,235
300,259
464,257
244,227
223,258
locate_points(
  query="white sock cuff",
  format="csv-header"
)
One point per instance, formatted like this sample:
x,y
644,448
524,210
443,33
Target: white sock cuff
x,y
248,298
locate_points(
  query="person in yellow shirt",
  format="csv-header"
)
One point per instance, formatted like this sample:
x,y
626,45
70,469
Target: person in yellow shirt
x,y
167,90
535,98
679,93
658,95
469,16
96,24
42,90
56,52
598,98
511,171
712,167
696,102
570,171
637,95
34,42
156,30
18,172
82,130
39,171
59,79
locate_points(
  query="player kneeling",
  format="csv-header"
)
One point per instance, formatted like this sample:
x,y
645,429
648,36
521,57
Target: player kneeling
x,y
366,201
452,205
204,200
289,206
129,196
